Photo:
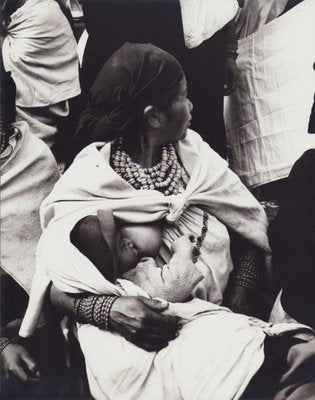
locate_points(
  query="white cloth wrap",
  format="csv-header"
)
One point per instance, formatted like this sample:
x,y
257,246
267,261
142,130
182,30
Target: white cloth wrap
x,y
217,352
203,18
267,116
40,52
91,184
27,177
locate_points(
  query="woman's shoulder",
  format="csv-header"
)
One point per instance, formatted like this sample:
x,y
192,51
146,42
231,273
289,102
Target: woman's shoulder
x,y
196,143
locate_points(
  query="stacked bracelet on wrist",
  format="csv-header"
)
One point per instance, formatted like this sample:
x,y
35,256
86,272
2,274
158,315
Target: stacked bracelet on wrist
x,y
94,310
4,341
247,274
231,46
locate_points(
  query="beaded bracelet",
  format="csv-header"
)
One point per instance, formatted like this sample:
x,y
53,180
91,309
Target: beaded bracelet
x,y
94,310
4,342
247,275
231,44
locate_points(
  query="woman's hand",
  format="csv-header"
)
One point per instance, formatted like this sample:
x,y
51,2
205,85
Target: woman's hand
x,y
140,320
16,361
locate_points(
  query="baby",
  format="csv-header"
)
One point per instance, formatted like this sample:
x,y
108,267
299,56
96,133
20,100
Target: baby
x,y
136,248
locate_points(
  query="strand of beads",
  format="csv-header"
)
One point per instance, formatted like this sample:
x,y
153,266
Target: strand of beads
x,y
3,142
199,240
164,176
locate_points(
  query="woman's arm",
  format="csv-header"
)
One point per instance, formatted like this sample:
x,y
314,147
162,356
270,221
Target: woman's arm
x,y
248,281
138,319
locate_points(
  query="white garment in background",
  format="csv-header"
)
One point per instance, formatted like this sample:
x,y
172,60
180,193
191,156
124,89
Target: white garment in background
x,y
203,18
27,177
257,13
40,52
267,117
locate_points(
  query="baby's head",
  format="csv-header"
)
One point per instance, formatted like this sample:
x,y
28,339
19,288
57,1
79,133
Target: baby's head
x,y
134,241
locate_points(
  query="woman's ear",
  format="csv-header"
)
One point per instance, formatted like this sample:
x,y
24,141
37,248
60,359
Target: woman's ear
x,y
153,117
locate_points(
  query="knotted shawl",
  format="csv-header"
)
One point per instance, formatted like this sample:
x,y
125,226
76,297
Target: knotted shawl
x,y
91,184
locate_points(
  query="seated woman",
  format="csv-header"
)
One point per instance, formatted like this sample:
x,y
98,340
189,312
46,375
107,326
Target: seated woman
x,y
154,168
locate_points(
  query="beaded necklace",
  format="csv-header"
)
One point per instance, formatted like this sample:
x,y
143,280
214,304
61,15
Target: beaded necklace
x,y
166,176
3,142
200,238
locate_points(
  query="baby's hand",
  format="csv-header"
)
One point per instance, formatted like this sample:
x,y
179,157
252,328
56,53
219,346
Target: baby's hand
x,y
184,245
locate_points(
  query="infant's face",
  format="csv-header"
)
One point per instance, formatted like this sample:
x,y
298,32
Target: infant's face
x,y
137,241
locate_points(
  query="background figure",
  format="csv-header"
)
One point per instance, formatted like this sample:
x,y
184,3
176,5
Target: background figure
x,y
36,368
39,49
268,115
292,237
207,67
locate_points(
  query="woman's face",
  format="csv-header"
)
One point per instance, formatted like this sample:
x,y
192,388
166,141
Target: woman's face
x,y
177,120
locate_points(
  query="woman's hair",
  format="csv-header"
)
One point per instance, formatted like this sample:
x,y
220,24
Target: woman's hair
x,y
137,75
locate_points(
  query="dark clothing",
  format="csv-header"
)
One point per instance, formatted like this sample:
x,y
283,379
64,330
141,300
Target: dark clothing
x,y
288,371
46,347
311,125
292,238
111,23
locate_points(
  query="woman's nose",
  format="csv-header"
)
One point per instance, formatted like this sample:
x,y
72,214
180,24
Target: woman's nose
x,y
190,105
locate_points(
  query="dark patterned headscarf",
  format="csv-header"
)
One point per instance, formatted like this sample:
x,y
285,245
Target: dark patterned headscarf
x,y
137,75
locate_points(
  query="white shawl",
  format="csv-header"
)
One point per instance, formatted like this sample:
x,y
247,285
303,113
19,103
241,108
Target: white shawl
x,y
217,352
91,184
40,52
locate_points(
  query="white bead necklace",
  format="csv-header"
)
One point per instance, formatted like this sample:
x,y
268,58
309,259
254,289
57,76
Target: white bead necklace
x,y
166,176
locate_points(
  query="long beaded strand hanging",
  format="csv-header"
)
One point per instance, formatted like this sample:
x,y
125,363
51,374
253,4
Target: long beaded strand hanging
x,y
200,238
164,176
3,142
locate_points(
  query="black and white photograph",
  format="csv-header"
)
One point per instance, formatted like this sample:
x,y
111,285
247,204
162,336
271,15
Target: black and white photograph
x,y
157,200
